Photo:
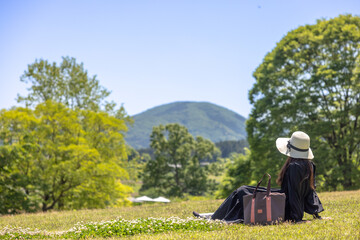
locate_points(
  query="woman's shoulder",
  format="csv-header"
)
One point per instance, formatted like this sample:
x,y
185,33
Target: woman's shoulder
x,y
296,163
296,170
300,164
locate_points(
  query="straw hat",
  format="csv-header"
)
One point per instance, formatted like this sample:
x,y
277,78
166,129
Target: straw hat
x,y
298,146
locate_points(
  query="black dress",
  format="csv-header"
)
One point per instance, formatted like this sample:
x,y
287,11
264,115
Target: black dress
x,y
299,196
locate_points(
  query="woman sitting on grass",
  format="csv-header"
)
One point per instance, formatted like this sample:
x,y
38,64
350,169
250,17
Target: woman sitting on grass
x,y
296,178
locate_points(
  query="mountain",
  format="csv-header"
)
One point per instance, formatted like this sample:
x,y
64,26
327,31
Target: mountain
x,y
200,118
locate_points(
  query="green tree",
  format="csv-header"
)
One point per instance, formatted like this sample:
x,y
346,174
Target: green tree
x,y
54,157
231,146
238,173
310,81
176,168
16,127
67,83
134,165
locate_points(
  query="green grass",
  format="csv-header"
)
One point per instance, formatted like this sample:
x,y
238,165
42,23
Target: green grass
x,y
342,207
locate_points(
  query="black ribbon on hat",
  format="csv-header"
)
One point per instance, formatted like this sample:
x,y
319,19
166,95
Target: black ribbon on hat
x,y
289,146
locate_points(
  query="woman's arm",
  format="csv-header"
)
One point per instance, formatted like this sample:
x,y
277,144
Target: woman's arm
x,y
312,202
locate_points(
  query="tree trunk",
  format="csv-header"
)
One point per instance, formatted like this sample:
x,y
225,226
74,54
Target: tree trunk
x,y
44,204
347,176
345,166
44,207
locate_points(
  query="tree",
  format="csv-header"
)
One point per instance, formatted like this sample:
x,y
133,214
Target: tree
x,y
310,81
14,160
238,173
54,157
176,168
68,83
230,146
134,165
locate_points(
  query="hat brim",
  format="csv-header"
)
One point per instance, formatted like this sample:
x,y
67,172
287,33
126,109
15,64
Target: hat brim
x,y
281,144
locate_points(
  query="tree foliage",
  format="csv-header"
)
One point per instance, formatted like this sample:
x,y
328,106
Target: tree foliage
x,y
232,146
310,81
176,169
54,157
238,173
68,83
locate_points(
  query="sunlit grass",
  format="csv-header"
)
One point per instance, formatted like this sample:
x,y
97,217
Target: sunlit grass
x,y
67,219
342,207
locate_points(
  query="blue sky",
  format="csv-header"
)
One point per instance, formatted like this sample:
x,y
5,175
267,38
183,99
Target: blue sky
x,y
154,52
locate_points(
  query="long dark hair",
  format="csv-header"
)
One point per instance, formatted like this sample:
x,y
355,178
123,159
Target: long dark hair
x,y
280,178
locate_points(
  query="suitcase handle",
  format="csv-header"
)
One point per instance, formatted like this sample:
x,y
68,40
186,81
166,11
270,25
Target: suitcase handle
x,y
268,186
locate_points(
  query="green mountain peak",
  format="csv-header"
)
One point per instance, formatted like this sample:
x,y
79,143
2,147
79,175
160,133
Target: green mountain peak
x,y
201,119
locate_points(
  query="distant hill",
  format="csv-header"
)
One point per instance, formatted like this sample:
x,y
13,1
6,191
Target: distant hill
x,y
201,119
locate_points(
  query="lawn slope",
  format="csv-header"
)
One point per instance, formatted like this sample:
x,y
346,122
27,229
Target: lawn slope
x,y
342,207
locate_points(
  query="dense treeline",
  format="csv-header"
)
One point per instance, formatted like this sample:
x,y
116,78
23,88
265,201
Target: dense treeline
x,y
226,148
231,146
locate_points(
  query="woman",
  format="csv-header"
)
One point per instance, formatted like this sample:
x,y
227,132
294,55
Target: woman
x,y
296,178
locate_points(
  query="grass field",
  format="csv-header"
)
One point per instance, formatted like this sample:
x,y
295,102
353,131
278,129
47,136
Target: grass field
x,y
342,207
